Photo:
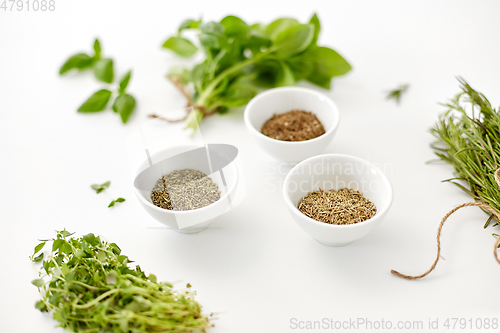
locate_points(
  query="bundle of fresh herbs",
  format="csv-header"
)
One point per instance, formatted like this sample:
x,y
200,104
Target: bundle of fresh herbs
x,y
240,57
88,287
468,138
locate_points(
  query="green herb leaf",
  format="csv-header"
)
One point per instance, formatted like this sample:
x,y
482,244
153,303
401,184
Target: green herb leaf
x,y
189,24
235,27
278,26
100,187
124,105
103,70
213,28
180,46
97,49
38,282
327,61
182,73
396,93
294,40
317,28
124,82
112,203
39,247
120,200
78,61
194,119
38,258
97,102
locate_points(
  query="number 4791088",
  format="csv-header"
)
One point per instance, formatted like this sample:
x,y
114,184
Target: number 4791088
x,y
28,5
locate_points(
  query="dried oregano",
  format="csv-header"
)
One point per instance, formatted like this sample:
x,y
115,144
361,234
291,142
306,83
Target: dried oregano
x,y
185,190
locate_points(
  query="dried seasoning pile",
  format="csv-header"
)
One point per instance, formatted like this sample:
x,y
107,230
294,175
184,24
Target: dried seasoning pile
x,y
185,190
295,125
344,206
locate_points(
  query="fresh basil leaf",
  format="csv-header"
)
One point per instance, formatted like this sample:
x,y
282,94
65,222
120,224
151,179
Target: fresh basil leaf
x,y
327,61
239,95
112,204
213,28
97,102
182,73
103,70
278,26
189,24
211,41
257,42
124,82
320,79
317,28
300,67
294,40
194,120
77,61
285,76
124,105
180,46
38,282
235,27
97,49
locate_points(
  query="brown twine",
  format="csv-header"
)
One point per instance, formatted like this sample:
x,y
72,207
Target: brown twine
x,y
482,205
184,91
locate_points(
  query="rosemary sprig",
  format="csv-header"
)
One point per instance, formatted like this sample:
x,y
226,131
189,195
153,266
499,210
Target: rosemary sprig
x,y
468,138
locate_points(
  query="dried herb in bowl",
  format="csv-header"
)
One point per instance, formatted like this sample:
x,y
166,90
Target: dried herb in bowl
x,y
295,125
186,189
343,206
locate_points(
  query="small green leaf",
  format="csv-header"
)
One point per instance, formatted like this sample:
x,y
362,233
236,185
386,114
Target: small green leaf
x,y
285,76
124,105
182,73
152,278
38,258
120,200
97,49
180,46
112,203
327,61
70,276
124,82
278,26
194,120
39,247
317,28
294,40
210,41
97,102
189,24
40,305
38,282
213,28
235,27
103,70
57,244
78,61
101,187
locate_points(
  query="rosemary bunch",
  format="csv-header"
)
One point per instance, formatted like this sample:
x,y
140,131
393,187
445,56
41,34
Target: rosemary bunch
x,y
468,138
88,287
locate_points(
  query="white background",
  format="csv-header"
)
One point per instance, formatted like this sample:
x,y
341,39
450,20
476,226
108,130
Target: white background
x,y
256,267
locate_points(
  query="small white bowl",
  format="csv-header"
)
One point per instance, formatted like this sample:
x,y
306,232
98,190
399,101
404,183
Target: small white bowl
x,y
334,171
279,100
200,218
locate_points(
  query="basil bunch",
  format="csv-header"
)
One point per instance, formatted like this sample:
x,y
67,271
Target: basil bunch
x,y
240,58
124,103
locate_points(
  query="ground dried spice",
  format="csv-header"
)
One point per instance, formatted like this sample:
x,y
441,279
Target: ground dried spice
x,y
344,206
185,190
295,125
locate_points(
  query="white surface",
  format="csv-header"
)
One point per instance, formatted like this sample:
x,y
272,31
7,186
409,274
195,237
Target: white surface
x,y
257,276
278,100
336,171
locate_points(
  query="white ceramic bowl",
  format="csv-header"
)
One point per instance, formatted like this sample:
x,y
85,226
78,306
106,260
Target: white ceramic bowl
x,y
279,100
201,217
334,171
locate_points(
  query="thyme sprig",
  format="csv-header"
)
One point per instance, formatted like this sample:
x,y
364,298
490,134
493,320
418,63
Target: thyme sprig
x,y
88,287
